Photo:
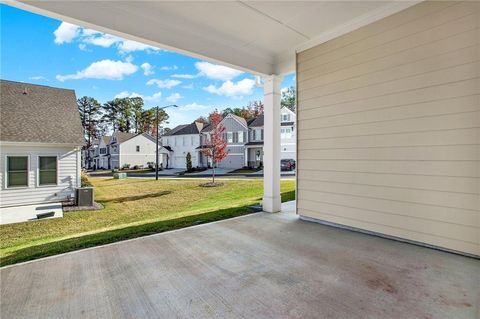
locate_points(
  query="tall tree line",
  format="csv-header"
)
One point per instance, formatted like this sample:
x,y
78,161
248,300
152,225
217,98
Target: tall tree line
x,y
120,114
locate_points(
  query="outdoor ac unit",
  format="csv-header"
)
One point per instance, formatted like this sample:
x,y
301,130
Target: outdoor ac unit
x,y
84,196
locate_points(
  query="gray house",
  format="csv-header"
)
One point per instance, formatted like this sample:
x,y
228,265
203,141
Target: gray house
x,y
236,135
244,142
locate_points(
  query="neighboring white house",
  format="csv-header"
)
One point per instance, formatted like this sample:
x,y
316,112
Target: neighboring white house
x,y
100,153
288,134
40,157
130,149
180,141
120,150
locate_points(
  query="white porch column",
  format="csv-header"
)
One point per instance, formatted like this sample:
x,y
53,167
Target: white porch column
x,y
271,144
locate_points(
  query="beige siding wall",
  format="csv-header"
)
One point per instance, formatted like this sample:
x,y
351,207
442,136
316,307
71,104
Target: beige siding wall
x,y
388,127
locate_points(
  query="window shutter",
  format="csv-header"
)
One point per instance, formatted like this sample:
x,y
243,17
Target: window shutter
x,y
261,134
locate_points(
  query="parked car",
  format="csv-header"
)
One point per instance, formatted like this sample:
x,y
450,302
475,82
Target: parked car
x,y
287,164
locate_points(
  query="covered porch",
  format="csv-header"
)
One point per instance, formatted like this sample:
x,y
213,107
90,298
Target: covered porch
x,y
256,266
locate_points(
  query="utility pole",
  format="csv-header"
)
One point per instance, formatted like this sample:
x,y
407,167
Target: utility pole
x,y
156,154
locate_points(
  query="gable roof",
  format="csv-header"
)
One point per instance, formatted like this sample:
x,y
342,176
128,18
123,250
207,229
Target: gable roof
x,y
106,139
256,122
239,119
37,113
192,128
121,137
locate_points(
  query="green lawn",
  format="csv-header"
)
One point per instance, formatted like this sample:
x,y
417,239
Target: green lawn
x,y
133,208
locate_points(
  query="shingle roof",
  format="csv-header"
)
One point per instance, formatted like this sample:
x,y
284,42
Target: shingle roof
x,y
37,113
123,136
239,118
193,128
257,122
287,123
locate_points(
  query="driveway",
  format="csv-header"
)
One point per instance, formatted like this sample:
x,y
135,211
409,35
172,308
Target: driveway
x,y
256,266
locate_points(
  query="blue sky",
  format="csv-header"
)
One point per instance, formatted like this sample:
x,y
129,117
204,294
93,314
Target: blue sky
x,y
45,51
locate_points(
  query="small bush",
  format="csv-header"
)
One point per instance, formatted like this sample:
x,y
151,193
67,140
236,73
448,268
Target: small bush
x,y
189,162
126,166
84,181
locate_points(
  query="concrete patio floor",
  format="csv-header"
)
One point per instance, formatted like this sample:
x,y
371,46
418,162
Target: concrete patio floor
x,y
256,266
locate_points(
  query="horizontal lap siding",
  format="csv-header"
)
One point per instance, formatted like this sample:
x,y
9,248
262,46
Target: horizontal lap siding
x,y
67,176
389,127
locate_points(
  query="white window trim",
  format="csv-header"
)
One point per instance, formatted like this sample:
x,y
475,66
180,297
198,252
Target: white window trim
x,y
5,186
38,171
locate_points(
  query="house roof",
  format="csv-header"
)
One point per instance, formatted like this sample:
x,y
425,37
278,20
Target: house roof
x,y
192,128
287,123
240,119
37,113
256,122
106,139
123,136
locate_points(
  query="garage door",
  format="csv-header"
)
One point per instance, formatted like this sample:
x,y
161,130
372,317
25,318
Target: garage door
x,y
232,161
388,127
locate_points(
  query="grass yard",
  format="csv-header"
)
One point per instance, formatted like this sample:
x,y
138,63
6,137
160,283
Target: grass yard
x,y
133,208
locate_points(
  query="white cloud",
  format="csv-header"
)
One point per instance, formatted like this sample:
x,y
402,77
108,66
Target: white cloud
x,y
104,69
216,72
38,78
149,98
188,87
90,32
169,68
193,107
127,46
147,68
185,76
83,47
66,32
164,84
101,39
231,89
173,98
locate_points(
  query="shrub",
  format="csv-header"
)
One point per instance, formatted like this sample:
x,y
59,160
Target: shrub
x,y
126,166
189,162
84,180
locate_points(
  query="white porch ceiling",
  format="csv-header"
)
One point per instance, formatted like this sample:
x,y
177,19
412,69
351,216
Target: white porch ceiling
x,y
256,36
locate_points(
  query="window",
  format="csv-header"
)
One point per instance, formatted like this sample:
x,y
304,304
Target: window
x,y
17,171
184,141
137,148
240,137
103,150
285,117
47,170
229,137
193,139
286,133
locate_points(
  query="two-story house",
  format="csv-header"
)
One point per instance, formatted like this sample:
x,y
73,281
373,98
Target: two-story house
x,y
100,153
130,149
244,142
236,131
254,147
180,141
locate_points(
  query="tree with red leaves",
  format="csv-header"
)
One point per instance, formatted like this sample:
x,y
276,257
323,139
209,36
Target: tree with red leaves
x,y
214,145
